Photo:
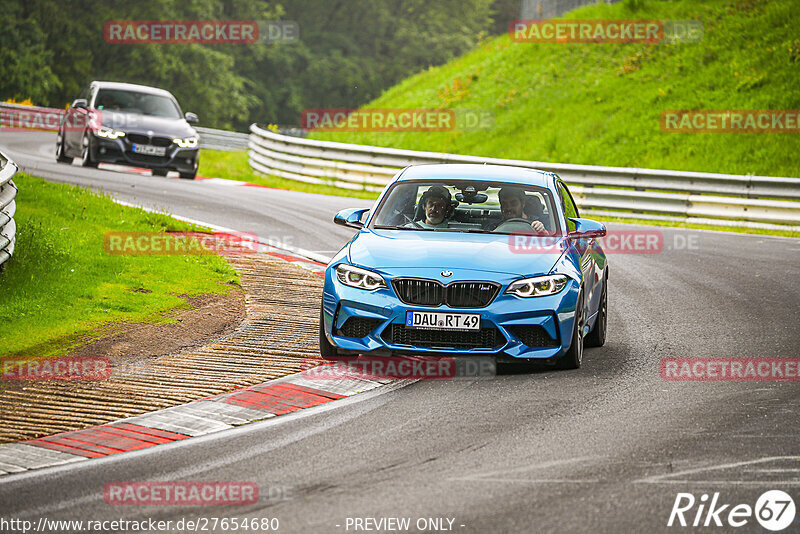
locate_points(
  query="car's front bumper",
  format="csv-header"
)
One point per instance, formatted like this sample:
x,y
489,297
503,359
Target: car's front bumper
x,y
120,151
380,316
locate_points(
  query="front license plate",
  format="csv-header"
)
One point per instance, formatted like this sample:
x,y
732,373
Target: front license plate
x,y
150,150
443,321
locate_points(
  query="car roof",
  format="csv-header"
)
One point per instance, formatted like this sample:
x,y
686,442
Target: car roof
x,y
467,171
131,87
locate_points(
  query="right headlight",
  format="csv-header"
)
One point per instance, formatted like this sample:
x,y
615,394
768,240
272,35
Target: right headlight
x,y
111,133
538,286
360,278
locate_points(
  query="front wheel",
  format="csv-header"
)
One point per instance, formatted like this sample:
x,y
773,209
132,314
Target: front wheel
x,y
574,356
86,152
60,157
326,348
159,172
597,337
189,175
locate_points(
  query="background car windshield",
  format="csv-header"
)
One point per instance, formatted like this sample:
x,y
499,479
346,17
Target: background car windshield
x,y
404,208
139,103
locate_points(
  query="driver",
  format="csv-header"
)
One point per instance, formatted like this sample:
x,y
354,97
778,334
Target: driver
x,y
436,203
150,107
512,206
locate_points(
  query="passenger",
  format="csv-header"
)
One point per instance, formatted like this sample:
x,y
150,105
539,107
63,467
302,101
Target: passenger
x,y
512,206
436,202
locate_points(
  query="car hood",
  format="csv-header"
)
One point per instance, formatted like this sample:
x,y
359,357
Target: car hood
x,y
143,124
393,250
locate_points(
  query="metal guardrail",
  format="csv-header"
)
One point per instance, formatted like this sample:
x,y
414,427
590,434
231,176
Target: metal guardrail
x,y
8,191
221,139
704,198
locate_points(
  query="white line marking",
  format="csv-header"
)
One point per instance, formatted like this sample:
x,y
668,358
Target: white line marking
x,y
279,245
660,479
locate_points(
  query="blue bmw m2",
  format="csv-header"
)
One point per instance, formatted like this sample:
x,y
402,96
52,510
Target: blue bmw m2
x,y
468,260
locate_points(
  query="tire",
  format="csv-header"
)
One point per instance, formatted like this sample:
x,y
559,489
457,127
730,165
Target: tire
x,y
597,337
60,157
159,172
188,175
574,356
86,152
326,349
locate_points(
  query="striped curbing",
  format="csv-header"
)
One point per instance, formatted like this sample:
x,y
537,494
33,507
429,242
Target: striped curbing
x,y
213,414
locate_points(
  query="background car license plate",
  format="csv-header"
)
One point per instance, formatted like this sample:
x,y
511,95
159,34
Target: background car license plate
x,y
443,320
150,150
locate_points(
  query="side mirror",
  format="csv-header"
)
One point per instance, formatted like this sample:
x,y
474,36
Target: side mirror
x,y
587,228
191,118
80,103
350,217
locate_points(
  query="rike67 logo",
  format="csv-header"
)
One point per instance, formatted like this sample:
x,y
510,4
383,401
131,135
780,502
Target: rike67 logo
x,y
774,510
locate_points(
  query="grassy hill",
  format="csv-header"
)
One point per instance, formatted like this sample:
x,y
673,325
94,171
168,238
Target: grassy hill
x,y
600,103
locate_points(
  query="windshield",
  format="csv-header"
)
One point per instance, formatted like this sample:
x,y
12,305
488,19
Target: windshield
x,y
467,206
139,103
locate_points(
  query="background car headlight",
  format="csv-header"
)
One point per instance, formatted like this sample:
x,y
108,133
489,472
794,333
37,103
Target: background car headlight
x,y
360,278
111,133
188,142
538,286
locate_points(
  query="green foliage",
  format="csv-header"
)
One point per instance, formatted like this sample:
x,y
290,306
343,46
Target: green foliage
x,y
600,104
61,285
349,51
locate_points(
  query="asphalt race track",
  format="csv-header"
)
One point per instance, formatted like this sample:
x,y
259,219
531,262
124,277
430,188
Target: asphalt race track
x,y
606,448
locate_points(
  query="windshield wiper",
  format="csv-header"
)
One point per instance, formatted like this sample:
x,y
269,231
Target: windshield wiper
x,y
389,227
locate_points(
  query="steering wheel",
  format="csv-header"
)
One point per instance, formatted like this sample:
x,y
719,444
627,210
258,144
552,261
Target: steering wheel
x,y
412,221
514,224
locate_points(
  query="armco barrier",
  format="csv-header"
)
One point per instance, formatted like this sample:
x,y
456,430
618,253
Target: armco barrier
x,y
695,197
8,191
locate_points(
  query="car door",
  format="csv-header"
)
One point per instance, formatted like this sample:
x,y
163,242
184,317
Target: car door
x,y
583,247
74,119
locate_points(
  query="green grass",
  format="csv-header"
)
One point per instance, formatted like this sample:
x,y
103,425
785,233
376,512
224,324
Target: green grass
x,y
600,103
61,287
233,165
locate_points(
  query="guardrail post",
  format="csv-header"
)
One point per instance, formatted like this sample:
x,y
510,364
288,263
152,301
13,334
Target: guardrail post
x,y
8,228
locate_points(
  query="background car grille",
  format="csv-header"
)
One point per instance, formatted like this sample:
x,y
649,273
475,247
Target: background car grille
x,y
140,139
485,338
533,335
456,295
358,327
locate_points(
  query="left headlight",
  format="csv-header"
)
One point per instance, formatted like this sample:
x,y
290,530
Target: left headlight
x,y
111,133
186,142
360,278
538,286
